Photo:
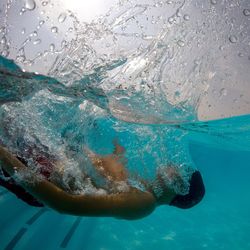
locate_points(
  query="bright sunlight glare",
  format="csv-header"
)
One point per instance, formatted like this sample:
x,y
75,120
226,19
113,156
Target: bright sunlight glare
x,y
87,10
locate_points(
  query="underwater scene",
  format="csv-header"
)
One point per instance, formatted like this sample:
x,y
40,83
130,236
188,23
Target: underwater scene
x,y
108,109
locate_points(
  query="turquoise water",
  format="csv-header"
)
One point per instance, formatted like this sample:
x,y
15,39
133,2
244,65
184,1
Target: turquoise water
x,y
46,111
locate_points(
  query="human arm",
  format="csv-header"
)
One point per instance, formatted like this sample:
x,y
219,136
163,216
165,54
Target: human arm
x,y
131,205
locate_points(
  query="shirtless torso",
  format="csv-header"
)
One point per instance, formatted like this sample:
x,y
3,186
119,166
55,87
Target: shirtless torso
x,y
131,203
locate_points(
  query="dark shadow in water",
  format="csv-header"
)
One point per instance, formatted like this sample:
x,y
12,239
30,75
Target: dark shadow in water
x,y
70,233
16,238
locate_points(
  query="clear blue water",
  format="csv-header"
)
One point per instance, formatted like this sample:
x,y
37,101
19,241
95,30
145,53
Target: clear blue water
x,y
219,149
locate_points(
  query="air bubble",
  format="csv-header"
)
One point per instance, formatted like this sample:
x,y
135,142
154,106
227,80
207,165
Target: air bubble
x,y
170,20
178,13
37,41
52,47
213,2
3,40
54,29
30,4
63,44
41,22
21,51
181,43
186,17
246,12
196,62
2,30
221,47
76,63
233,39
5,53
223,92
62,17
44,3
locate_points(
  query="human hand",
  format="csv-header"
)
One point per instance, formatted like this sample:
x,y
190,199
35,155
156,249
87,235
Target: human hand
x,y
110,166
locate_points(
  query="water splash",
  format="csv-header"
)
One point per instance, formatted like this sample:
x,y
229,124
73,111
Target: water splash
x,y
161,43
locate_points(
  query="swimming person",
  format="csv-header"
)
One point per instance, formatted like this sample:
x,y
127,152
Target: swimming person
x,y
132,203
